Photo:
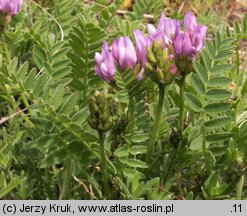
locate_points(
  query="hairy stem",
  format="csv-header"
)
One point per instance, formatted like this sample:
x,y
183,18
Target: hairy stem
x,y
179,183
181,127
156,123
104,165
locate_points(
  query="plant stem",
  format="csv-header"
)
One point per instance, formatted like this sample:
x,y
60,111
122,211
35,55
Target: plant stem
x,y
104,165
25,101
156,123
181,111
181,127
179,183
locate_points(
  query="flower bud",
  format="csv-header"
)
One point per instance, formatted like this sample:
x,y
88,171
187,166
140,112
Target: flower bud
x,y
100,118
160,64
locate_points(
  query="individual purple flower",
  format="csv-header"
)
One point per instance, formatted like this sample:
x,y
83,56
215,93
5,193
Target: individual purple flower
x,y
105,67
183,46
162,22
11,7
141,46
124,52
172,28
198,39
190,22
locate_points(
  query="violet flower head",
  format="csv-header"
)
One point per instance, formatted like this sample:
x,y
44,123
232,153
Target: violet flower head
x,y
11,7
183,46
124,52
141,45
195,33
105,67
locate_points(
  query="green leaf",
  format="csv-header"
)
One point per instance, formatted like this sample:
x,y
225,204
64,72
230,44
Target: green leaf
x,y
244,25
211,48
219,81
46,141
207,60
244,89
197,83
122,151
135,163
76,147
30,79
221,68
218,41
13,65
140,137
88,137
81,116
58,97
210,159
236,27
223,55
218,122
22,71
12,185
193,102
217,137
200,70
218,94
215,108
239,190
56,157
135,150
129,173
40,84
69,105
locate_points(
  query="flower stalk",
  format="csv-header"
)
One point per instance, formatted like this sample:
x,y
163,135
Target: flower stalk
x,y
104,165
181,110
156,122
100,120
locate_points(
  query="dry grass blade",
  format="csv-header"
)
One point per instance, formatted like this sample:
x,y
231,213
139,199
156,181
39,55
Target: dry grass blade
x,y
88,190
7,118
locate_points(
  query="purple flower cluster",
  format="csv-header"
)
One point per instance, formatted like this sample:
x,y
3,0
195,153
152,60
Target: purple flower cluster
x,y
182,40
122,51
191,41
10,7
